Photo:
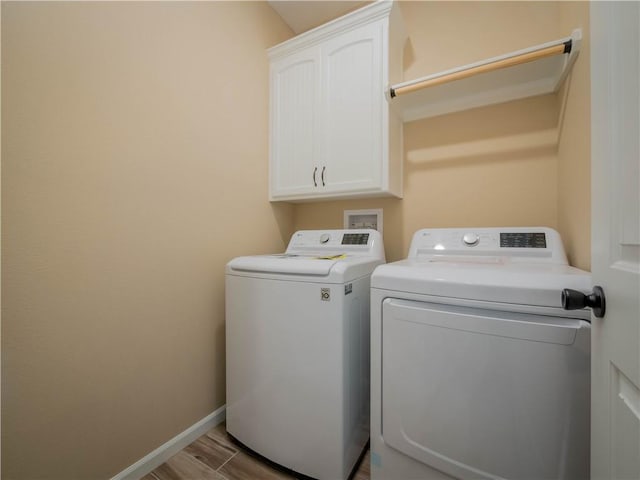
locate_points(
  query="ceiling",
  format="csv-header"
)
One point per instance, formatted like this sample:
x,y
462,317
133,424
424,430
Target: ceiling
x,y
303,15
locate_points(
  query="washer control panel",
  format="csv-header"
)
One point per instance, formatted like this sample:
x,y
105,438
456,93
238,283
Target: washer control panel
x,y
355,238
329,242
523,240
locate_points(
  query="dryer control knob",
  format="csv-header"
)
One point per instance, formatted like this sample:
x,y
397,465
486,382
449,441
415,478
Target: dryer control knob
x,y
324,238
470,239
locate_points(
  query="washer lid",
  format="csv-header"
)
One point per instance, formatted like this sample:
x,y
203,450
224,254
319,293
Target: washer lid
x,y
328,256
488,279
336,268
284,264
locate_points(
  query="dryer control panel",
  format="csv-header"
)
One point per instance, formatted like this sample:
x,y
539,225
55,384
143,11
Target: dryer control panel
x,y
513,243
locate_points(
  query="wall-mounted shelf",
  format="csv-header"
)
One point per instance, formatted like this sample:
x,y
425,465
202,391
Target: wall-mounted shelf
x,y
524,73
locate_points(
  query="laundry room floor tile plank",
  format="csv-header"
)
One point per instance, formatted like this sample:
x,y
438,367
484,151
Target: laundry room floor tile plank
x,y
246,467
182,466
210,451
220,435
214,456
364,469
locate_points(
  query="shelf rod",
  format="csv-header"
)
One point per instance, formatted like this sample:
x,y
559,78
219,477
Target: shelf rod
x,y
564,47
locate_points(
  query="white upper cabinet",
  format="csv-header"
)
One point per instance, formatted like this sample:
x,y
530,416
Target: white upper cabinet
x,y
295,99
332,132
352,137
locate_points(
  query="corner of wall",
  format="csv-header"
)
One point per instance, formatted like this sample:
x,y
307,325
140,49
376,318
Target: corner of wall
x,y
574,149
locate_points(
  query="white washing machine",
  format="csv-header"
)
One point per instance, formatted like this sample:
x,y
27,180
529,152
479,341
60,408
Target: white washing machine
x,y
477,371
297,333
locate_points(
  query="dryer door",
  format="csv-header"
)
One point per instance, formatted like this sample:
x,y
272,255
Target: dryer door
x,y
486,394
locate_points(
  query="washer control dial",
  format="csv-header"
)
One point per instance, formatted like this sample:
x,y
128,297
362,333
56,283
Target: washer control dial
x,y
470,239
325,237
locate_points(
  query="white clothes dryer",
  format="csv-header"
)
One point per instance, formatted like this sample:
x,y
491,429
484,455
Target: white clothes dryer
x,y
297,347
477,371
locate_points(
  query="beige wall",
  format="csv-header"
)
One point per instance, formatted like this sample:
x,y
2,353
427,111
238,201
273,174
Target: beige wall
x,y
492,166
574,152
133,168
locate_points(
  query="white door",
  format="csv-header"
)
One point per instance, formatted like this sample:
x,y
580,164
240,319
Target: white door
x,y
295,99
615,82
352,110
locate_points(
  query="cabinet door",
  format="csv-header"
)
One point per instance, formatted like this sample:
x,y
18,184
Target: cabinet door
x,y
351,116
295,99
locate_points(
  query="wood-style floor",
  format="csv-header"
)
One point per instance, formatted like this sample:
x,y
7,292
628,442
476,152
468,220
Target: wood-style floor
x,y
214,456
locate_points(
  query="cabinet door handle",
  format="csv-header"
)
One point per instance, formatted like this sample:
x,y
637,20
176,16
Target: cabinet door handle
x,y
315,184
322,176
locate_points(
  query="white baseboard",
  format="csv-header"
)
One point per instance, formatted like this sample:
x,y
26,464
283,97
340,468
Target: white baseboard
x,y
173,446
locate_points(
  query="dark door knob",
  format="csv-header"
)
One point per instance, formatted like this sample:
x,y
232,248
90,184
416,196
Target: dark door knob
x,y
574,300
